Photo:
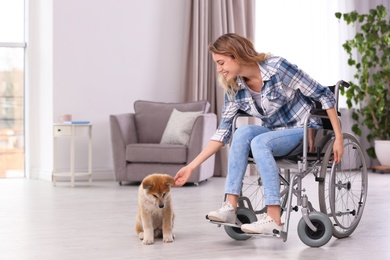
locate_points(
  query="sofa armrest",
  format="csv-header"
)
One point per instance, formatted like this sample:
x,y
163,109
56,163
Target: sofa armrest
x,y
123,132
204,127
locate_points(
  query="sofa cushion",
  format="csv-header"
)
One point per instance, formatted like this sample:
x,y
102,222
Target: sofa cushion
x,y
179,126
151,118
156,153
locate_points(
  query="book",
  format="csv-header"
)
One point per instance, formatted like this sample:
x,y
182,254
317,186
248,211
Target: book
x,y
76,122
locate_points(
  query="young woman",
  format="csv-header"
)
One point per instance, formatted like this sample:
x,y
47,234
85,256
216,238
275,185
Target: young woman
x,y
280,94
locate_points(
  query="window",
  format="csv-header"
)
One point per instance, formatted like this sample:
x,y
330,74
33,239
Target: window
x,y
12,50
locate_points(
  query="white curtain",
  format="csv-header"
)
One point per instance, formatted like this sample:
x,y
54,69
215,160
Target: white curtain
x,y
308,34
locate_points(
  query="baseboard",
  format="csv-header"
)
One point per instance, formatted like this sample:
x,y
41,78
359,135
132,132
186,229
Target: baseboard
x,y
97,175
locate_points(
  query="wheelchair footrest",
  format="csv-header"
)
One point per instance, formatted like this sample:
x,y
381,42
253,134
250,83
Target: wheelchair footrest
x,y
277,234
223,223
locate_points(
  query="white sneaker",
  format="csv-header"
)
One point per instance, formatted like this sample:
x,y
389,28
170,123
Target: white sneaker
x,y
225,214
265,225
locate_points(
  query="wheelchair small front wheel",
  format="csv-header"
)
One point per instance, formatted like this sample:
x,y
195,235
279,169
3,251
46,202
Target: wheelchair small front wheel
x,y
315,238
245,216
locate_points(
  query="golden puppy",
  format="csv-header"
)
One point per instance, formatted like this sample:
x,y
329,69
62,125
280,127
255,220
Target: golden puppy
x,y
155,213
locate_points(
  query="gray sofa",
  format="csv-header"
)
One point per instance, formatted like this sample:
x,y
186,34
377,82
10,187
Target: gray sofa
x,y
136,137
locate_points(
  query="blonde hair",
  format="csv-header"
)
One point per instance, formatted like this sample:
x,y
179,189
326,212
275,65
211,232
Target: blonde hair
x,y
239,48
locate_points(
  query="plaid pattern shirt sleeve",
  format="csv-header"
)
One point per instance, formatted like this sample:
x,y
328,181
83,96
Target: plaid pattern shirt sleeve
x,y
286,98
224,130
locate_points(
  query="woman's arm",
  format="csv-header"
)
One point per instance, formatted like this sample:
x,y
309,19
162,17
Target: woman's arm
x,y
184,173
338,146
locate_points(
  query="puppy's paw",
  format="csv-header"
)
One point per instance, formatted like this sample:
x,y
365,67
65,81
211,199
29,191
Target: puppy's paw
x,y
168,238
148,241
141,235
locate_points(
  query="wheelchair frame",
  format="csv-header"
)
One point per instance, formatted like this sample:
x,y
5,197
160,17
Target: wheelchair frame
x,y
342,188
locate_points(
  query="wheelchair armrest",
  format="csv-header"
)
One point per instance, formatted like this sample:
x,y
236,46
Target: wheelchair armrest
x,y
239,114
321,112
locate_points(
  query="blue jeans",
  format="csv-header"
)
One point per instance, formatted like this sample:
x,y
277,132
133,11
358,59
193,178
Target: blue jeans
x,y
265,144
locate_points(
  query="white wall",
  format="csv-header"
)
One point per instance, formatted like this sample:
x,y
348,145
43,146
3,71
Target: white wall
x,y
102,55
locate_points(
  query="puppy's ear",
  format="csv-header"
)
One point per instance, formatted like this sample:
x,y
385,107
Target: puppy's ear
x,y
169,181
147,184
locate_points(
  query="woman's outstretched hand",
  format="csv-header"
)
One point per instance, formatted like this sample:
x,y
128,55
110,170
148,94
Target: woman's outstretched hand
x,y
182,176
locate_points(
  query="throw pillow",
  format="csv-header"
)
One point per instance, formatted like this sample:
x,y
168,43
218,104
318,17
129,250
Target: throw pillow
x,y
179,126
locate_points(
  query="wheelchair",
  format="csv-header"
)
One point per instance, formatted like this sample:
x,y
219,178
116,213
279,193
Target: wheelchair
x,y
342,188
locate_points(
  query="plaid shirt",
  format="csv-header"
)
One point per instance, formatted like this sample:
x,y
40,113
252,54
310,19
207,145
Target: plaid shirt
x,y
286,98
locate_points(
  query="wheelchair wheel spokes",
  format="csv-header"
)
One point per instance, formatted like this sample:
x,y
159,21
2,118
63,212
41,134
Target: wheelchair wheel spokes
x,y
343,193
252,188
349,192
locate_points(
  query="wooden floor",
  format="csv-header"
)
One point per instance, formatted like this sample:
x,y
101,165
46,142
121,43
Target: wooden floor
x,y
39,221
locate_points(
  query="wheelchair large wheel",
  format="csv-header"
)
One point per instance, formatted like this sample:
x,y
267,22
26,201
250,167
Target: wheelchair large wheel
x,y
343,187
253,189
315,238
245,216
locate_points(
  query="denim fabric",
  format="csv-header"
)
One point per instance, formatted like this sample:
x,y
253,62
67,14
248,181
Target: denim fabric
x,y
265,144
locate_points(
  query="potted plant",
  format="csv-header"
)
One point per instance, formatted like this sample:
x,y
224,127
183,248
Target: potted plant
x,y
369,54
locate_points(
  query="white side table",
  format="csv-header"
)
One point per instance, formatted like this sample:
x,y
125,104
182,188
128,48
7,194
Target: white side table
x,y
70,131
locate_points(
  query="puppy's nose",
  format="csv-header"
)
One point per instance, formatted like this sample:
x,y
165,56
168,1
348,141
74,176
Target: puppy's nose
x,y
161,206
